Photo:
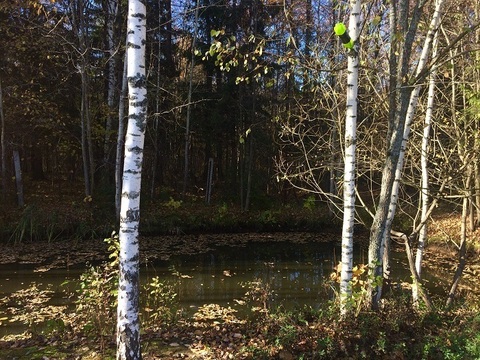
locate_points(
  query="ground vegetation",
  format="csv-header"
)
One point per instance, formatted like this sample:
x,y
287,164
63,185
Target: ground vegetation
x,y
244,132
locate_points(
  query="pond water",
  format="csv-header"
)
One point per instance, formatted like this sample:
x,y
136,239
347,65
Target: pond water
x,y
296,272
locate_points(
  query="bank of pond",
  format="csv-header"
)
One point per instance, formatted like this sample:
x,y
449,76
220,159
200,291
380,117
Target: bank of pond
x,y
219,286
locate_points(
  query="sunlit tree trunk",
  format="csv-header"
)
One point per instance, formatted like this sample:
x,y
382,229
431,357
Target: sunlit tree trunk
x,y
392,172
424,195
350,165
397,20
128,324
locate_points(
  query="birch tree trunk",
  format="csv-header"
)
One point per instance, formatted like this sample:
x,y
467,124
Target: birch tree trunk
x,y
128,324
350,165
422,236
392,172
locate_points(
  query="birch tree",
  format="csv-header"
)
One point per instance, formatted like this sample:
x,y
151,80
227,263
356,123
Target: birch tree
x,y
350,147
402,118
128,325
424,195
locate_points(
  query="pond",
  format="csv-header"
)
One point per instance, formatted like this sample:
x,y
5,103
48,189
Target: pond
x,y
297,272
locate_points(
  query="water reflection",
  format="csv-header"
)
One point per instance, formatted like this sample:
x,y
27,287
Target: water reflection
x,y
295,272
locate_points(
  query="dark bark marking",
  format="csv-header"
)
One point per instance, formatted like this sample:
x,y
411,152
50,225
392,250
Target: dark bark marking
x,y
140,120
139,16
132,45
136,150
133,215
131,194
139,80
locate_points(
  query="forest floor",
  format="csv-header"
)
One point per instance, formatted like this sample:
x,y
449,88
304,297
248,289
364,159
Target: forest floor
x,y
215,332
51,234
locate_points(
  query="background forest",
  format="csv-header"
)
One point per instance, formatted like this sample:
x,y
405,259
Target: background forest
x,y
246,131
255,88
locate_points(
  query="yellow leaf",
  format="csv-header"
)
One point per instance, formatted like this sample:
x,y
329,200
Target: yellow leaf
x,y
376,20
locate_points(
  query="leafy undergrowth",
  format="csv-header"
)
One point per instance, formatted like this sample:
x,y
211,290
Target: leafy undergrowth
x,y
249,330
306,334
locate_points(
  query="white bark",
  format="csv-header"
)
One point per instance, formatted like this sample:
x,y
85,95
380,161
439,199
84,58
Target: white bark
x,y
128,326
350,166
408,122
422,238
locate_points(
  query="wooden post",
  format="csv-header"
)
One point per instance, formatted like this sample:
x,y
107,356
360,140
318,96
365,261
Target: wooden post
x,y
18,178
